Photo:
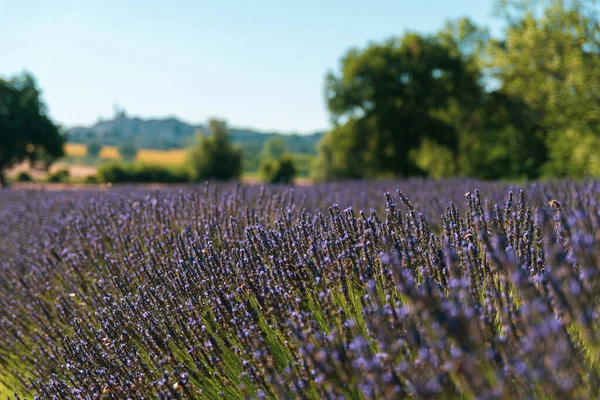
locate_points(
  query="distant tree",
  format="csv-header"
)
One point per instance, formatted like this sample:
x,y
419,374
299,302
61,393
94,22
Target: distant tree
x,y
274,148
213,157
114,134
386,102
93,149
128,150
26,132
281,170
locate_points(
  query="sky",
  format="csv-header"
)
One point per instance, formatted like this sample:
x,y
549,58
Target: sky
x,y
255,63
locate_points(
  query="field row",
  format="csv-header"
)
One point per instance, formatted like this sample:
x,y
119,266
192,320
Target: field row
x,y
439,289
161,157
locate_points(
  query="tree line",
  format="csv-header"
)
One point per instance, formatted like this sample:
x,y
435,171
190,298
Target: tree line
x,y
461,103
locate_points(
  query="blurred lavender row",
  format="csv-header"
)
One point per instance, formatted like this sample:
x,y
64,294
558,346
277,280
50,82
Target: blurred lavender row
x,y
392,289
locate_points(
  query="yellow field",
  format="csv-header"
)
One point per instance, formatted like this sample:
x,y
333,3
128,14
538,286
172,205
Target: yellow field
x,y
166,157
171,157
75,150
109,153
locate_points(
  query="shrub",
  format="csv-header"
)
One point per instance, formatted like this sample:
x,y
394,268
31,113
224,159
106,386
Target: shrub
x,y
91,179
93,149
122,172
24,177
213,157
60,176
128,151
282,170
303,163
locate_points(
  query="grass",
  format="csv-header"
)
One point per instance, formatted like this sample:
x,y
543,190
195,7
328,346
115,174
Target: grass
x,y
4,391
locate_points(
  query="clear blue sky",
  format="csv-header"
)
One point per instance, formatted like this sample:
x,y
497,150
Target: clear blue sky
x,y
255,63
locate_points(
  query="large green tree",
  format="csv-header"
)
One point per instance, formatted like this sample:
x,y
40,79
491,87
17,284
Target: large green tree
x,y
26,132
213,157
550,58
386,102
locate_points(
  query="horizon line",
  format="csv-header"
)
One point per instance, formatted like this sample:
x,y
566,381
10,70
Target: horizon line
x,y
230,126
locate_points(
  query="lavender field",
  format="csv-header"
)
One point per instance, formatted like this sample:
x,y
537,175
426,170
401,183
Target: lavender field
x,y
420,289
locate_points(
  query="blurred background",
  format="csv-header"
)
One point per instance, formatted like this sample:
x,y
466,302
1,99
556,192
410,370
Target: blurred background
x,y
282,92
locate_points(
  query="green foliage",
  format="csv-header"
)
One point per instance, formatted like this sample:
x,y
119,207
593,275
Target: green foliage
x,y
340,154
509,141
274,148
123,172
60,176
464,39
26,131
251,156
93,149
282,170
422,105
91,179
550,58
303,163
386,101
436,160
498,135
23,177
128,151
574,152
213,157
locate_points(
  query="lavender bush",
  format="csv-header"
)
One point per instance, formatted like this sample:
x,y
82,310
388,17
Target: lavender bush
x,y
450,289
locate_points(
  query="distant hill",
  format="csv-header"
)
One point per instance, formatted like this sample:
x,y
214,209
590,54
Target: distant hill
x,y
168,133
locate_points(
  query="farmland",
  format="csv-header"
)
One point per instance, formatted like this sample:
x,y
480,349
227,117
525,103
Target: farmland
x,y
76,150
161,157
80,165
383,289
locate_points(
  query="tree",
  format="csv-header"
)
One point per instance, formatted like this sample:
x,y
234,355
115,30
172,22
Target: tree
x,y
281,170
510,142
26,132
463,39
386,101
341,156
274,148
93,149
128,150
550,58
499,135
214,157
